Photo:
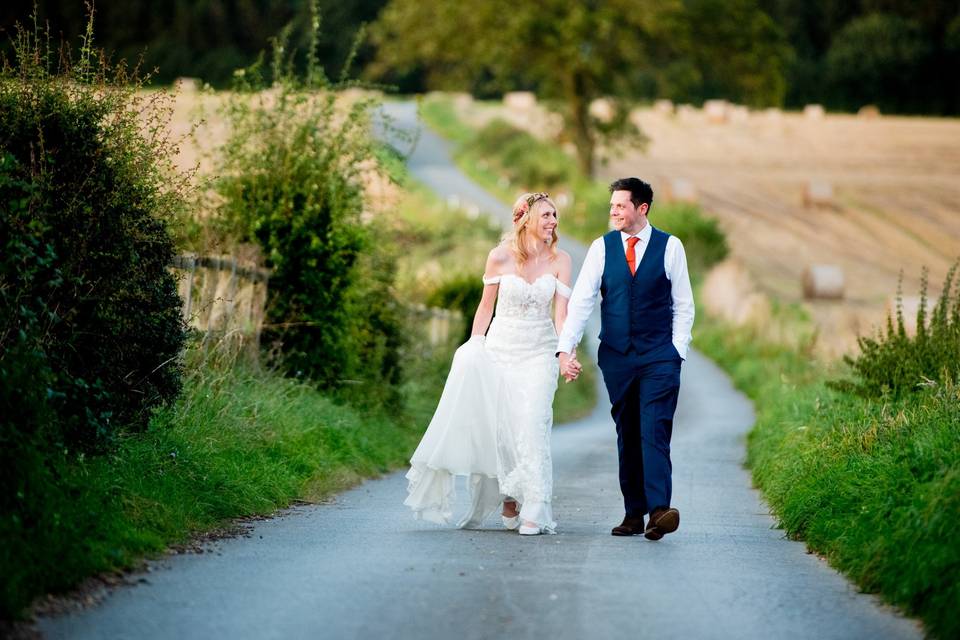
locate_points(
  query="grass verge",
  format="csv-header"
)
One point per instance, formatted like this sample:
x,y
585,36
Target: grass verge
x,y
873,486
239,441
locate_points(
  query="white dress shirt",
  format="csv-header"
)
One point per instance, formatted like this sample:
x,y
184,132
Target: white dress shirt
x,y
588,286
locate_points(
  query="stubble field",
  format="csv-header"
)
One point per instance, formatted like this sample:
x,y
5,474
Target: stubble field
x,y
895,203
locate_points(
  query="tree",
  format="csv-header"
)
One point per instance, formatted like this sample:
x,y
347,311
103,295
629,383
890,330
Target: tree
x,y
569,53
875,59
752,48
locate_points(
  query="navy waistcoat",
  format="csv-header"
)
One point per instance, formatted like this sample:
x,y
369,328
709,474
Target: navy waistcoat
x,y
637,310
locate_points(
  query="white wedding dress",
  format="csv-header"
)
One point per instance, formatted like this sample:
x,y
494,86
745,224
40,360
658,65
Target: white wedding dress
x,y
495,415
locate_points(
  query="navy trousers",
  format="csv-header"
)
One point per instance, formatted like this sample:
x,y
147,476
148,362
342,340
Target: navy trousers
x,y
644,398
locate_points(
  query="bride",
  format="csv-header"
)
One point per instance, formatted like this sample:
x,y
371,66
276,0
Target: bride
x,y
493,421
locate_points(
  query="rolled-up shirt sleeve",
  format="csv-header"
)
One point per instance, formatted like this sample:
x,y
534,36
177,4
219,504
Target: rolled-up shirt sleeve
x,y
583,299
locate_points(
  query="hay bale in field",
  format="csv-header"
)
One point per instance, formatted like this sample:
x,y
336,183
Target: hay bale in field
x,y
738,113
817,193
869,112
814,112
680,190
730,293
461,99
716,111
687,112
519,100
603,109
823,282
663,107
773,115
187,85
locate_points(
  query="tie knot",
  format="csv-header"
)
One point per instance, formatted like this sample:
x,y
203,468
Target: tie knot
x,y
632,241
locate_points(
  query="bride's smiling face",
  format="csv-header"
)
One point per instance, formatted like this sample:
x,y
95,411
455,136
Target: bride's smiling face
x,y
543,221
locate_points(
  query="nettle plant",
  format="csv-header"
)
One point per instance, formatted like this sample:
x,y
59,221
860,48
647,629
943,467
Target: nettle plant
x,y
87,187
291,182
895,362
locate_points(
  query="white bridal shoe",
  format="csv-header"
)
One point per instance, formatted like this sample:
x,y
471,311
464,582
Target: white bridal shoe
x,y
511,523
529,531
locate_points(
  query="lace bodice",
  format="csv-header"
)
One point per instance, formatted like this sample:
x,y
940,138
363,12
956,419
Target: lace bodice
x,y
522,300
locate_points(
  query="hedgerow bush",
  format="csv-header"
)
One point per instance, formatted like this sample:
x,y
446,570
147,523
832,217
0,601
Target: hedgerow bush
x,y
85,294
291,183
896,363
525,160
704,242
460,293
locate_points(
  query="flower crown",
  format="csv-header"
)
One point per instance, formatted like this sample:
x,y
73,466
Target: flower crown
x,y
524,206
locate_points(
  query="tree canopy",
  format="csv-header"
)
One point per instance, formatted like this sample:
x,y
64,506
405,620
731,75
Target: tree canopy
x,y
574,53
897,54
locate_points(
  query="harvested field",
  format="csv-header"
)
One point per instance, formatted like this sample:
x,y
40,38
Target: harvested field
x,y
895,202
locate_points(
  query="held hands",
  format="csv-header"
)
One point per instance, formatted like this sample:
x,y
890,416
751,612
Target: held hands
x,y
569,366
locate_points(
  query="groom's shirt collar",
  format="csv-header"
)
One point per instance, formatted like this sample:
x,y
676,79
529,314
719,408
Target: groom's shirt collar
x,y
644,235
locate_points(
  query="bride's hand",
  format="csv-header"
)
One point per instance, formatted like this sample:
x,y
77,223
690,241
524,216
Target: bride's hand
x,y
569,366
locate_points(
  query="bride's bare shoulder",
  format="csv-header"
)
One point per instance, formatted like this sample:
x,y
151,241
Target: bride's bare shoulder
x,y
499,256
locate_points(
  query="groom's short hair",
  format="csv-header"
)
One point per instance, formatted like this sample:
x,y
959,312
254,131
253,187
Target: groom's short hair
x,y
640,191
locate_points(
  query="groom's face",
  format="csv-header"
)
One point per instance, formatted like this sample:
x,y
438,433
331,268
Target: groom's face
x,y
624,215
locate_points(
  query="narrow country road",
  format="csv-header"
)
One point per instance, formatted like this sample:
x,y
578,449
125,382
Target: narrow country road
x,y
362,567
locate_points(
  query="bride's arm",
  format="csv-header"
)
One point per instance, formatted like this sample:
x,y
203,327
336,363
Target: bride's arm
x,y
481,319
560,301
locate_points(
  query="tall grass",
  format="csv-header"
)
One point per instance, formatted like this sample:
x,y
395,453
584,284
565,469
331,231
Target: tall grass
x,y
239,441
873,485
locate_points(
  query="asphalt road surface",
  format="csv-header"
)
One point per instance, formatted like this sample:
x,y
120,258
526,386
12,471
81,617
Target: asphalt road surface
x,y
362,567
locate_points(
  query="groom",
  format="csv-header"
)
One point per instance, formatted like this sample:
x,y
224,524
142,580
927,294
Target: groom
x,y
646,314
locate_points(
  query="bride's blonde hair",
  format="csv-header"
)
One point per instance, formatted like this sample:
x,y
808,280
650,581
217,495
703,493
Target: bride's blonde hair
x,y
526,210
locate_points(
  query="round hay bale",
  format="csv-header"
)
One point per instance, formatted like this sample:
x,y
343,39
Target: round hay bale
x,y
730,293
869,112
687,112
603,109
681,190
187,85
823,282
738,113
817,193
519,100
773,115
716,111
664,107
461,99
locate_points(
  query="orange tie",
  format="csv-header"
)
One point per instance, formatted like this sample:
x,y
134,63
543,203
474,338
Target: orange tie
x,y
632,255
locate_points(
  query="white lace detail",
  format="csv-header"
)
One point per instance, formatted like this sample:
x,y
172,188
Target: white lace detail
x,y
499,395
564,290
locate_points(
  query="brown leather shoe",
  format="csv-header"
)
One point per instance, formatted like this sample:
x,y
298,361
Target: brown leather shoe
x,y
662,522
629,527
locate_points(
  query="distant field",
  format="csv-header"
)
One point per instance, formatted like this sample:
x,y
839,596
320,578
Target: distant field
x,y
895,180
896,184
